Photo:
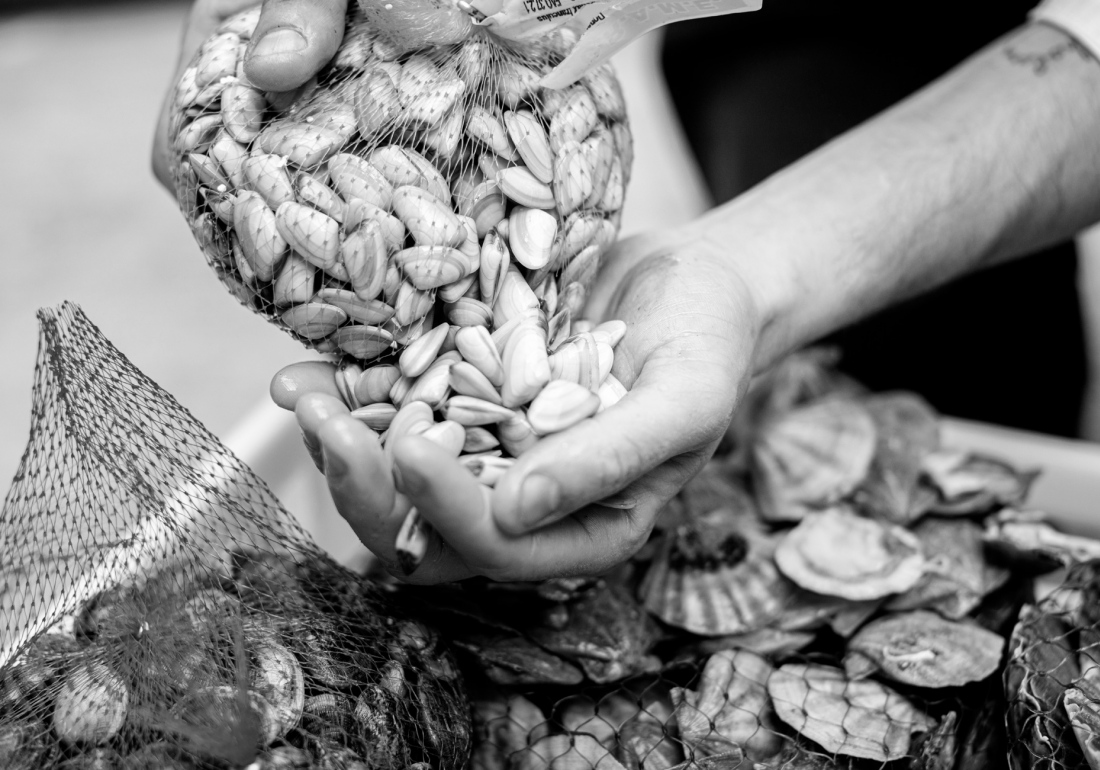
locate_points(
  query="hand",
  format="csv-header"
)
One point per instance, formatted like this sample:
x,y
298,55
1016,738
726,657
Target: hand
x,y
687,355
293,40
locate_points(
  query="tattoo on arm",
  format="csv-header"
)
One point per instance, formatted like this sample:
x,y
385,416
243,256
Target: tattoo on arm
x,y
1041,61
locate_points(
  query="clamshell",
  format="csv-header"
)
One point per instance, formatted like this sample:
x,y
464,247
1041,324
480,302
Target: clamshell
x,y
1084,715
858,719
811,457
924,650
839,553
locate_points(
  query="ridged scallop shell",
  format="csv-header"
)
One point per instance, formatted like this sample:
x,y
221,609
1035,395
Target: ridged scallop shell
x,y
858,719
924,650
811,457
838,553
729,708
715,579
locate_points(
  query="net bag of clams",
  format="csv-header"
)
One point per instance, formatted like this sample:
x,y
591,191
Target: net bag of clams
x,y
836,589
159,609
423,209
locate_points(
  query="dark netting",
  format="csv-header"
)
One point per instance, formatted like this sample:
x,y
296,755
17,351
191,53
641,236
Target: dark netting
x,y
161,609
424,210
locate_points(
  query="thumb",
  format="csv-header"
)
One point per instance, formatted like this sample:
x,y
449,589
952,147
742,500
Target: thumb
x,y
293,40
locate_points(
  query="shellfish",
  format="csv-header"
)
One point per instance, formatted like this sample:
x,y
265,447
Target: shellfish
x,y
924,650
811,457
838,553
714,576
859,719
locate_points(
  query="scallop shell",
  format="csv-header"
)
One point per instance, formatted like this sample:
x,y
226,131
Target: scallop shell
x,y
924,650
957,576
907,430
971,483
812,457
715,578
730,708
858,719
838,553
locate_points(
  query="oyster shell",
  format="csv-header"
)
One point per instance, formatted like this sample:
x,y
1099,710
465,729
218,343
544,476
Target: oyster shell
x,y
906,429
1041,665
606,632
859,719
1084,715
504,726
646,744
838,553
811,457
957,576
566,752
973,483
511,659
731,709
715,576
1024,536
924,650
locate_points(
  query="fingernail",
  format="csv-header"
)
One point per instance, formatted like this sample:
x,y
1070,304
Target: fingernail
x,y
622,502
335,466
538,498
281,40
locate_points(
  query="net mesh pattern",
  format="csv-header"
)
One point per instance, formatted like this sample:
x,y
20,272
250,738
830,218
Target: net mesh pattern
x,y
161,609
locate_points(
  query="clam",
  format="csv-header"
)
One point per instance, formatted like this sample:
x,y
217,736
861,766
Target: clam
x,y
377,417
531,234
520,185
422,352
483,125
811,457
467,380
715,577
262,245
526,365
91,705
907,430
858,719
314,320
573,182
470,312
375,715
363,254
328,716
485,204
363,342
924,650
560,405
730,708
837,553
531,142
429,267
310,233
494,263
370,312
374,384
957,576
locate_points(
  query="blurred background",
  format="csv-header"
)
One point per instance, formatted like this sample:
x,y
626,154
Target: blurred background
x,y
82,218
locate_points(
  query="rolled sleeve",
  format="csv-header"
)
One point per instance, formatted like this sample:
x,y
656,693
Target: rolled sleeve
x,y
1079,18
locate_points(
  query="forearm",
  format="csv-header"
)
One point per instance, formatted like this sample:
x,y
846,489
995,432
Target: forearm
x,y
995,159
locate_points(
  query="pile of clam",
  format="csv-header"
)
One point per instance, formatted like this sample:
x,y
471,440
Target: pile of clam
x,y
284,664
432,215
835,589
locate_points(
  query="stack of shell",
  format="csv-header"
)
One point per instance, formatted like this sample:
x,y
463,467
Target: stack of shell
x,y
433,216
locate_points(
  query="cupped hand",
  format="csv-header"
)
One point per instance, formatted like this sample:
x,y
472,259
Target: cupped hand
x,y
293,40
579,501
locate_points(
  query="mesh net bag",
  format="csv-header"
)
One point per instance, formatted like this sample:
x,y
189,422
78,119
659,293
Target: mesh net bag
x,y
160,609
424,211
